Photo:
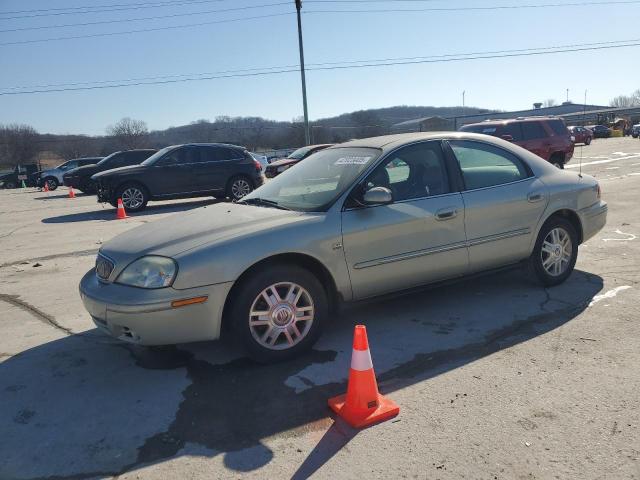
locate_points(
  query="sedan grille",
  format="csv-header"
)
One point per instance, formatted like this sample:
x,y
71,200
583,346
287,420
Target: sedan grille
x,y
104,267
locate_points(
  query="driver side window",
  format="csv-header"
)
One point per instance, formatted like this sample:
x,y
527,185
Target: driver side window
x,y
175,157
415,171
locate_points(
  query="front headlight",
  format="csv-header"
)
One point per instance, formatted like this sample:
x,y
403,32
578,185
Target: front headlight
x,y
149,272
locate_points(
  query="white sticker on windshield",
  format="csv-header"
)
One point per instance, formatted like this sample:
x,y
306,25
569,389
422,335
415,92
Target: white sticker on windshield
x,y
352,160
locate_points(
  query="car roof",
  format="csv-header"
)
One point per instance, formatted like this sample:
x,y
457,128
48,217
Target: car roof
x,y
227,145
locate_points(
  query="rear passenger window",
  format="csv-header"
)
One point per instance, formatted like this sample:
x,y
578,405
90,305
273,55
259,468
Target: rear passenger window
x,y
217,154
559,128
484,165
514,130
533,130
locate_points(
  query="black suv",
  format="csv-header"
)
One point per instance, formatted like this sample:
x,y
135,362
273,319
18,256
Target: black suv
x,y
80,178
182,171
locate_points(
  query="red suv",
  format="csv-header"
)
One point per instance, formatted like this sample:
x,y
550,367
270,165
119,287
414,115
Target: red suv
x,y
547,137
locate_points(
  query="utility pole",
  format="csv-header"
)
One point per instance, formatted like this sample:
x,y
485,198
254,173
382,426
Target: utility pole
x,y
567,94
307,133
463,93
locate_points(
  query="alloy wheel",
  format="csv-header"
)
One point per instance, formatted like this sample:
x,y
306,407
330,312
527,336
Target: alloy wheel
x,y
556,252
132,198
240,188
281,316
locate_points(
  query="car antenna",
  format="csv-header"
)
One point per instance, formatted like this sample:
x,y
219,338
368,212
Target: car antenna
x,y
584,121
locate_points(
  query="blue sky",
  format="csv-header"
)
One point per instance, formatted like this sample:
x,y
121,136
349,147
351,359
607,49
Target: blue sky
x,y
505,83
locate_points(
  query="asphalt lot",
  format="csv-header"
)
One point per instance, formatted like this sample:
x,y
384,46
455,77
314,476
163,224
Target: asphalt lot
x,y
495,377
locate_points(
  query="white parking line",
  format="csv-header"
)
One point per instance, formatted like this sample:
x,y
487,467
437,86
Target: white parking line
x,y
610,294
630,236
599,162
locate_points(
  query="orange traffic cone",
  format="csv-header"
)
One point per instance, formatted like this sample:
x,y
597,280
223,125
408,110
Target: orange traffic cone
x,y
121,213
72,194
362,405
46,187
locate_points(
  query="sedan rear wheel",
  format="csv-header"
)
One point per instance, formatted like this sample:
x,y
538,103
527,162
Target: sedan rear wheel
x,y
52,183
278,312
556,251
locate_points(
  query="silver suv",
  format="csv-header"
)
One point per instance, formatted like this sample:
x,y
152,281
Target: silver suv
x,y
53,176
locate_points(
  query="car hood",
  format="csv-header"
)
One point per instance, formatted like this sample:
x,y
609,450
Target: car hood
x,y
184,231
84,171
119,170
283,161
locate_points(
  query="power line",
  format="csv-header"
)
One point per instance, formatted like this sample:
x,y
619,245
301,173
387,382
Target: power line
x,y
103,8
318,64
155,29
465,9
158,17
477,56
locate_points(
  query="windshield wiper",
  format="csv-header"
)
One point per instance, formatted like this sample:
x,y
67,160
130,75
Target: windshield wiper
x,y
264,202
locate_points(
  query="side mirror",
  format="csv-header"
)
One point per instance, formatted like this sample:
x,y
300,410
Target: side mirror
x,y
377,196
508,138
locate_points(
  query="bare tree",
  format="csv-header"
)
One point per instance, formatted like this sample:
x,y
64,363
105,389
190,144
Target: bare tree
x,y
18,144
622,101
550,102
129,133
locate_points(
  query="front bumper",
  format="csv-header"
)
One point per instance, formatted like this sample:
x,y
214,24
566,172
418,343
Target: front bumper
x,y
146,317
593,219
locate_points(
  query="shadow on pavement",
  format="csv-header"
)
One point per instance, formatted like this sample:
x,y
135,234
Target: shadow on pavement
x,y
109,213
88,406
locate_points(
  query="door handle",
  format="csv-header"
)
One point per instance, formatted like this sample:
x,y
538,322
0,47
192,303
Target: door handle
x,y
446,213
534,197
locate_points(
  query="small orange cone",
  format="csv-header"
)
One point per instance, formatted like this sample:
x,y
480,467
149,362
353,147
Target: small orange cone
x,y
362,405
121,213
72,194
46,187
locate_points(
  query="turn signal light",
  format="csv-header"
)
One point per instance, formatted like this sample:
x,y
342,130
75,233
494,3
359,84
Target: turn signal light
x,y
188,301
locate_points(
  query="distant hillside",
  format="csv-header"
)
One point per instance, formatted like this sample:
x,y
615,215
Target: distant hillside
x,y
255,133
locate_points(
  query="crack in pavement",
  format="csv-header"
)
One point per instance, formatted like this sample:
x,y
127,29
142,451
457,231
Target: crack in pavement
x,y
77,253
35,311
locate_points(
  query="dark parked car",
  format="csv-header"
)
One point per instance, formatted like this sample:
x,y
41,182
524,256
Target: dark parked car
x,y
182,171
600,131
547,137
80,178
635,131
581,135
21,173
53,176
279,166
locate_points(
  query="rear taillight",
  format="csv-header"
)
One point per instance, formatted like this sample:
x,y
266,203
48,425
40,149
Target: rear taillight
x,y
258,165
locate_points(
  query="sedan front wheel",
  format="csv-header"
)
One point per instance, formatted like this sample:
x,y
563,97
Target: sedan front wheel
x,y
278,313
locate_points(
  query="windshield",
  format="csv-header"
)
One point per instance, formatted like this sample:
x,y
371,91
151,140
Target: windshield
x,y
299,153
313,185
152,159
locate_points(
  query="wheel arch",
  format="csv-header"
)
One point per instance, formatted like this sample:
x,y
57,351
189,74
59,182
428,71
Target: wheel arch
x,y
567,214
303,260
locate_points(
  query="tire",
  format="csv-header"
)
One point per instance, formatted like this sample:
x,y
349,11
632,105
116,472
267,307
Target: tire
x,y
238,187
547,271
557,160
134,197
587,141
10,184
52,182
269,341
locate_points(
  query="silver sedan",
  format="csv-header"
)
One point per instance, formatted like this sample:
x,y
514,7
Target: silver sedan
x,y
356,220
